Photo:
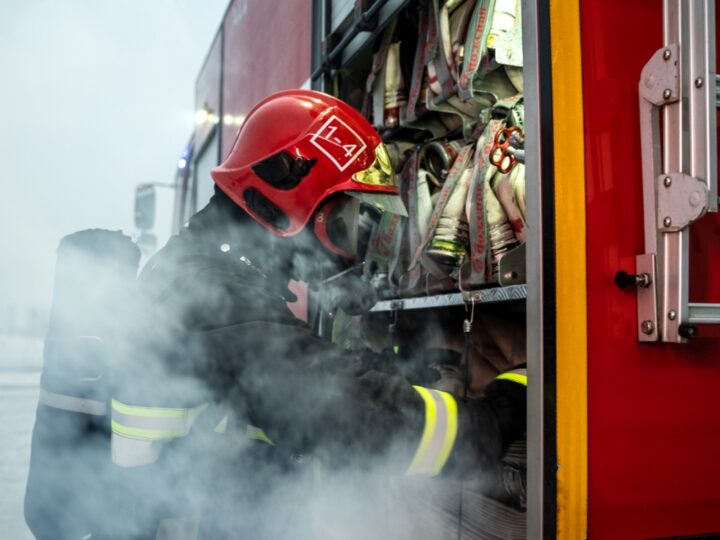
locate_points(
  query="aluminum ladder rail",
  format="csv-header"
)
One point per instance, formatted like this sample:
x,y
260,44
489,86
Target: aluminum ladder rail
x,y
679,86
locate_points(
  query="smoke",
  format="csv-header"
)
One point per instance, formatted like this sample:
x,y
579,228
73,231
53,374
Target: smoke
x,y
207,329
96,97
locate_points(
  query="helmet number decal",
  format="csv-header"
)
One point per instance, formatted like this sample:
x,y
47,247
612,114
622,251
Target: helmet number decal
x,y
338,142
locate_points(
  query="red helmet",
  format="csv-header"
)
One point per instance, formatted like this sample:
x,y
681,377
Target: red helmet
x,y
295,149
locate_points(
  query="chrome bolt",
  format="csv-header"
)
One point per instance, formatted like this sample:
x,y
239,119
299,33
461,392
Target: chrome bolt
x,y
699,82
695,198
667,221
666,54
672,314
667,181
667,93
647,327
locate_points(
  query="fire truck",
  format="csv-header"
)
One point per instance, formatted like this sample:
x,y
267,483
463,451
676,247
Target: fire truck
x,y
609,109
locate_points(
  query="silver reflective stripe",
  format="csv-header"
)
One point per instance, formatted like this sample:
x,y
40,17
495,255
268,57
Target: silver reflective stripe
x,y
436,442
72,403
127,452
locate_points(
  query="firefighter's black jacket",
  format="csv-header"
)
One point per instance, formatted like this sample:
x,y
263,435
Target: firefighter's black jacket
x,y
216,328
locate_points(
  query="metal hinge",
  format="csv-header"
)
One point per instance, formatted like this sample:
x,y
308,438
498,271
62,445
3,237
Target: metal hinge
x,y
681,200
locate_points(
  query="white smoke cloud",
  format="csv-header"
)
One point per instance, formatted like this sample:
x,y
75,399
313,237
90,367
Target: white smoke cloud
x,y
95,98
326,477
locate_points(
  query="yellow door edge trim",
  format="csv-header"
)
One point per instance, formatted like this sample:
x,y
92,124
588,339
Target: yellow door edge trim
x,y
571,271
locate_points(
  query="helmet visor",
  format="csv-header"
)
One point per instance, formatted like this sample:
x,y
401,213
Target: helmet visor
x,y
380,172
344,225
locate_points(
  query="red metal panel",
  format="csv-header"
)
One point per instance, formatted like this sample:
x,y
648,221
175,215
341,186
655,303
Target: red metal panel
x,y
207,91
267,48
653,410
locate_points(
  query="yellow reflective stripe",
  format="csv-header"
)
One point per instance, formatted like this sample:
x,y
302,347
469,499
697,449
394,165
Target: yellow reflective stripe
x,y
439,433
146,434
253,432
451,431
514,377
156,412
430,422
152,423
222,425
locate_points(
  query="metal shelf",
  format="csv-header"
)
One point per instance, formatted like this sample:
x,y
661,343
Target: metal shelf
x,y
481,296
363,28
388,10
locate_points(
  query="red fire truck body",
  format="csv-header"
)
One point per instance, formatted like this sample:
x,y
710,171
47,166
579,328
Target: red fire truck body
x,y
652,408
623,435
255,52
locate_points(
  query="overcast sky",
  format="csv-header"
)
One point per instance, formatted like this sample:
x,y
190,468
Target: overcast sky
x,y
95,96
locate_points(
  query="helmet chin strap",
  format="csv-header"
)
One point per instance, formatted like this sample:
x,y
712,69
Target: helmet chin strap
x,y
345,272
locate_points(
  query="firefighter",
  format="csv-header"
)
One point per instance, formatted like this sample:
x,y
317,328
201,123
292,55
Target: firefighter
x,y
225,391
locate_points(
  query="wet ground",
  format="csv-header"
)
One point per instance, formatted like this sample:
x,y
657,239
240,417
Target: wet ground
x,y
20,365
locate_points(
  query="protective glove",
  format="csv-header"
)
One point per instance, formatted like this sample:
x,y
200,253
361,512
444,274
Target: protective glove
x,y
352,294
488,426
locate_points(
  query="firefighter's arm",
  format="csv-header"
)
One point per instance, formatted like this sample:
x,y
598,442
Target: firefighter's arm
x,y
490,424
461,436
312,397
